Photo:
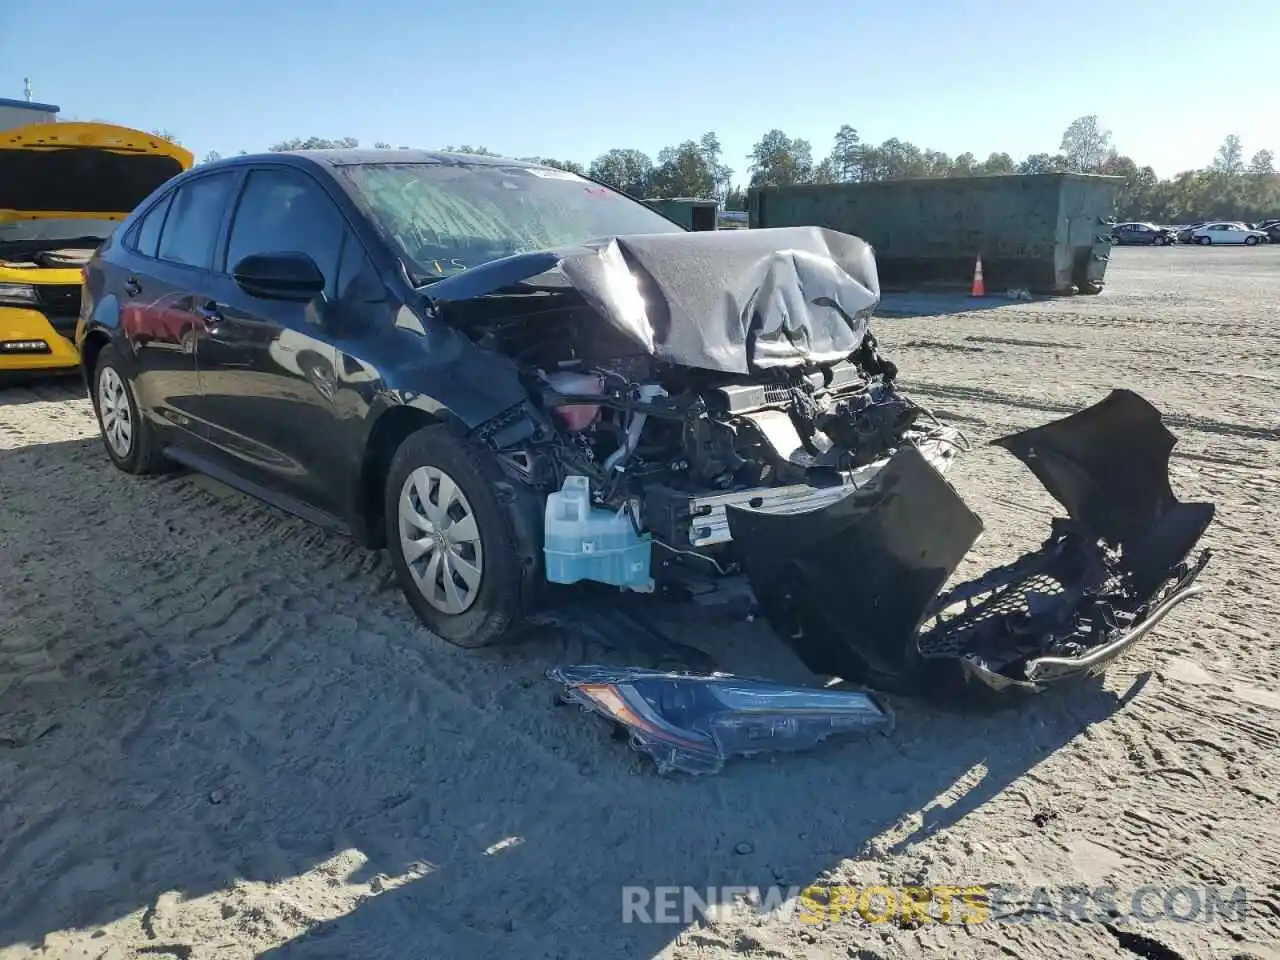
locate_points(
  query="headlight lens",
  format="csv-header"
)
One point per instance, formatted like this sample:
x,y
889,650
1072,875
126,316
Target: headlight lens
x,y
22,294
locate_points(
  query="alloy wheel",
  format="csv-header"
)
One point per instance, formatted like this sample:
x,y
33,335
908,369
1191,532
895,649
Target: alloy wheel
x,y
114,410
440,541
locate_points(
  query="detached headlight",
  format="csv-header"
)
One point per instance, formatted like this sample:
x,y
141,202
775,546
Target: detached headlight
x,y
18,294
694,723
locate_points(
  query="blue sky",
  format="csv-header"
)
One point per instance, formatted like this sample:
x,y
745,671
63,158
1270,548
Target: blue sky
x,y
570,80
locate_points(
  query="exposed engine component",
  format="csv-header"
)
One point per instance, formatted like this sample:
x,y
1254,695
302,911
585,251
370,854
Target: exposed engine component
x,y
867,424
577,417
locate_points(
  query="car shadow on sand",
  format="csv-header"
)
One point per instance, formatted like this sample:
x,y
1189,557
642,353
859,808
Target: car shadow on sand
x,y
162,737
19,388
560,891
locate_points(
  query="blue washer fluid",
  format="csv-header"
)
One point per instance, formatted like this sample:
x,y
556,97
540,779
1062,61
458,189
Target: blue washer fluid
x,y
585,542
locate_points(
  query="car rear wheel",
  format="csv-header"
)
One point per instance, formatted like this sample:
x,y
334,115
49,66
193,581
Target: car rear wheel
x,y
453,544
129,438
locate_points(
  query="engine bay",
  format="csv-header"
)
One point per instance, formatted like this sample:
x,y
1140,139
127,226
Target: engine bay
x,y
657,439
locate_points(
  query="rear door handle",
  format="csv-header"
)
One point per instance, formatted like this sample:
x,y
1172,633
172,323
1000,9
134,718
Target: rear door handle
x,y
132,287
208,311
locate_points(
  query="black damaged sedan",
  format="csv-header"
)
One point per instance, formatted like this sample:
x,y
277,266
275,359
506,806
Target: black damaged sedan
x,y
509,375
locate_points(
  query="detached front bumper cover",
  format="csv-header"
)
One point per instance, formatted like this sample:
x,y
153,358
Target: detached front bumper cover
x,y
692,723
854,586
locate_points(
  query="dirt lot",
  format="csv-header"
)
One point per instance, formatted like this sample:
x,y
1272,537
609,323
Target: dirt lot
x,y
222,734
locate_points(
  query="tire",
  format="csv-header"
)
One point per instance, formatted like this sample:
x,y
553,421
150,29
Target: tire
x,y
1204,241
128,436
1089,288
1251,241
501,595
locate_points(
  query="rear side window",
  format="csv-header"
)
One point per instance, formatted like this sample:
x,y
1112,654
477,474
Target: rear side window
x,y
195,217
147,237
283,211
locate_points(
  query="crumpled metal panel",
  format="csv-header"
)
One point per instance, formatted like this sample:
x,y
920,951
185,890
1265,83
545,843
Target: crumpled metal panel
x,y
728,301
693,723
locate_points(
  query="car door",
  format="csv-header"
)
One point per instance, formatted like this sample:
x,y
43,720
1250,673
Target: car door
x,y
266,367
162,281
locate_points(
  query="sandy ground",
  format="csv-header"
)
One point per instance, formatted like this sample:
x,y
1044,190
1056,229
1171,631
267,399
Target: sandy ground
x,y
223,735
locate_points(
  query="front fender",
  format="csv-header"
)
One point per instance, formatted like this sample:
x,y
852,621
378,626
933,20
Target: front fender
x,y
432,367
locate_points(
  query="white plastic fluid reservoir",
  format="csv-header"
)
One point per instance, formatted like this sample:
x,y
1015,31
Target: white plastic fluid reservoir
x,y
585,542
577,416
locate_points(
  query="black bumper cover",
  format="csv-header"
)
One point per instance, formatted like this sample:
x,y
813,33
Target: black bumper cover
x,y
854,587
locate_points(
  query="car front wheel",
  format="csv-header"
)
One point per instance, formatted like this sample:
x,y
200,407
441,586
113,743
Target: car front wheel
x,y
129,438
1204,241
1251,241
456,551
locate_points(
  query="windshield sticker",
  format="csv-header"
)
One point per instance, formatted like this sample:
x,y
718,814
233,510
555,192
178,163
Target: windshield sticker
x,y
551,173
453,263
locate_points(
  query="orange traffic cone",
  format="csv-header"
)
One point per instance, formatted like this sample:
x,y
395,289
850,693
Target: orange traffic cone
x,y
979,286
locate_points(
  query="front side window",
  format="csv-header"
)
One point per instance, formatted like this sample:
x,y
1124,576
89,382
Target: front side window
x,y
284,211
447,216
195,217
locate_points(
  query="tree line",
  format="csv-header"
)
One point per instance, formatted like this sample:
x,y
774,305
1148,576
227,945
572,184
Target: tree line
x,y
1228,188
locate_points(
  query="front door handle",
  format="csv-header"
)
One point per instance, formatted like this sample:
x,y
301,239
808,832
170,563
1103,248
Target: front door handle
x,y
132,287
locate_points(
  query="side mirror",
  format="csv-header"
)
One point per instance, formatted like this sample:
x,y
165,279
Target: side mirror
x,y
290,275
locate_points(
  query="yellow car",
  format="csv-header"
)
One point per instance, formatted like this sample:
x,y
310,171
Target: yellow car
x,y
63,189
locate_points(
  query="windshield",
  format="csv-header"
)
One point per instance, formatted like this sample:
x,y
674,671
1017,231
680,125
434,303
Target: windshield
x,y
56,230
449,216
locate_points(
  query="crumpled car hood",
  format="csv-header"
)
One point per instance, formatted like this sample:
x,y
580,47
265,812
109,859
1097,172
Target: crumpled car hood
x,y
732,301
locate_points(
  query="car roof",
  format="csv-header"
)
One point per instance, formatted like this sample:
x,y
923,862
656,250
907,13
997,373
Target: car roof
x,y
342,158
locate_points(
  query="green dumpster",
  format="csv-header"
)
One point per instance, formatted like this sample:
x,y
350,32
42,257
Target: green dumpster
x,y
689,213
1047,233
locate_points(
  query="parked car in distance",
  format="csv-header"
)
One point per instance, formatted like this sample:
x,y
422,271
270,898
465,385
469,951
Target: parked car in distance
x,y
1224,232
1142,233
1186,234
